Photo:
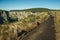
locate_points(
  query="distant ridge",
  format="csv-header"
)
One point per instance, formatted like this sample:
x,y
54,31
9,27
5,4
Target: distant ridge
x,y
2,10
34,9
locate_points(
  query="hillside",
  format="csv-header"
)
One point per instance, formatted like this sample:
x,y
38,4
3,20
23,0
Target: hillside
x,y
10,31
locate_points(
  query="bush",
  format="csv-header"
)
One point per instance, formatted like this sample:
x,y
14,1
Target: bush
x,y
30,18
13,19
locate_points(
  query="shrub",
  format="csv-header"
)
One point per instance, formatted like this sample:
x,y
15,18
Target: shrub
x,y
13,19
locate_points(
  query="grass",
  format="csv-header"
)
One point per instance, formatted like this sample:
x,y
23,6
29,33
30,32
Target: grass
x,y
56,15
8,30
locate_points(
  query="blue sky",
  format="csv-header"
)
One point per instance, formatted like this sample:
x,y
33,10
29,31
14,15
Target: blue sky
x,y
24,4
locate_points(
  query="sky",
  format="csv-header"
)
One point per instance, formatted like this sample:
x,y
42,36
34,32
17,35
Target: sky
x,y
25,4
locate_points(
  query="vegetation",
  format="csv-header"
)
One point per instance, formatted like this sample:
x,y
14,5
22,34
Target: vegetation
x,y
11,19
30,18
5,30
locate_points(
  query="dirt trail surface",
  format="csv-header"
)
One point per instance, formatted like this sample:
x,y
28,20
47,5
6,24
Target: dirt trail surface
x,y
45,31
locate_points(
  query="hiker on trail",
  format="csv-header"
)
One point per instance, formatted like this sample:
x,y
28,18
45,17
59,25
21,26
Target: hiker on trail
x,y
38,23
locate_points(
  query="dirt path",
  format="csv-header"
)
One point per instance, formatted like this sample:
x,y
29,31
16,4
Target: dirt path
x,y
45,31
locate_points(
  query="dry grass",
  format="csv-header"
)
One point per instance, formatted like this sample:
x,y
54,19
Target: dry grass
x,y
6,33
9,31
56,15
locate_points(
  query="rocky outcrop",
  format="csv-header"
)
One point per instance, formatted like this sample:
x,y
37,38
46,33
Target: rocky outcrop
x,y
19,14
3,16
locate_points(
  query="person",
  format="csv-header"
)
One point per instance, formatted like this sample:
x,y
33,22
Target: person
x,y
38,23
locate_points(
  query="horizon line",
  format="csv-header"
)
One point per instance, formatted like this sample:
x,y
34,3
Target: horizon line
x,y
30,8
